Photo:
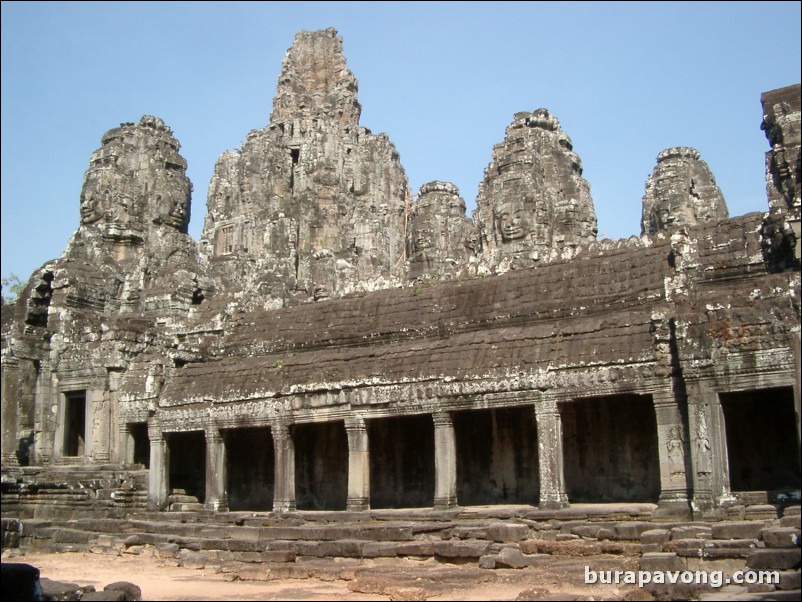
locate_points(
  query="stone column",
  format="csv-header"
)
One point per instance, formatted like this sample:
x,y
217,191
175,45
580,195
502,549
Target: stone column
x,y
284,448
216,492
708,449
9,402
125,451
550,455
673,451
45,426
101,426
358,464
159,472
445,461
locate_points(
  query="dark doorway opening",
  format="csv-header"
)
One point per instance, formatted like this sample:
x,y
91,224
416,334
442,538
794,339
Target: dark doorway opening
x,y
250,468
762,445
75,423
188,464
497,457
610,449
141,439
321,466
401,461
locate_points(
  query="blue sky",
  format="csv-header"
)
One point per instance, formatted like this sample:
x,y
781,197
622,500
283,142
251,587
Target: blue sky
x,y
626,80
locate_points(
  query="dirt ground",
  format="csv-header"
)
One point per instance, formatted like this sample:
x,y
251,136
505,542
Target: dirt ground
x,y
161,581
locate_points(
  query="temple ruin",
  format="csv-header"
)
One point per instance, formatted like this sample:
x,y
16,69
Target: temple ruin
x,y
338,342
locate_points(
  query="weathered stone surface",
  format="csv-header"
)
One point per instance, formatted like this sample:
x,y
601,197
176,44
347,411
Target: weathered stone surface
x,y
681,192
60,590
662,561
737,530
506,532
782,234
130,591
786,537
512,557
774,558
405,593
111,596
533,199
790,580
691,532
658,536
443,242
314,204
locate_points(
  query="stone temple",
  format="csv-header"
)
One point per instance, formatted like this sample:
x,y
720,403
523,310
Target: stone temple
x,y
335,342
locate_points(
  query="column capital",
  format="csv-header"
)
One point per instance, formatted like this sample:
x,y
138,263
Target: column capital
x,y
664,397
547,407
355,423
212,433
442,419
155,434
280,431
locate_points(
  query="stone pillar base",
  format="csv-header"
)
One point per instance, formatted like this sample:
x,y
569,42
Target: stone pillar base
x,y
553,502
218,505
674,506
284,506
358,504
444,503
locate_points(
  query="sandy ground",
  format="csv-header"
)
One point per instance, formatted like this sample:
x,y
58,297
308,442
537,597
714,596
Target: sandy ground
x,y
161,581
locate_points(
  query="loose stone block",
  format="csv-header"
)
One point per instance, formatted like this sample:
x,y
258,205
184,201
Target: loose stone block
x,y
784,537
737,530
662,561
658,536
774,558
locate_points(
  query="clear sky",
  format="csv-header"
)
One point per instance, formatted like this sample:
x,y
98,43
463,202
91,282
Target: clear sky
x,y
626,80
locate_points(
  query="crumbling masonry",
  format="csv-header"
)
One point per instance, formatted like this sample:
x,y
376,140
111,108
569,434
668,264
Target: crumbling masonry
x,y
335,342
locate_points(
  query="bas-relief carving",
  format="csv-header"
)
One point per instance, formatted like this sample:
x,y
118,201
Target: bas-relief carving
x,y
703,449
676,453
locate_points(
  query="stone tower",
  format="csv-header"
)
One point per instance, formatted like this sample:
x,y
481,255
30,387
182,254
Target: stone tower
x,y
135,205
313,204
681,191
781,121
442,240
533,198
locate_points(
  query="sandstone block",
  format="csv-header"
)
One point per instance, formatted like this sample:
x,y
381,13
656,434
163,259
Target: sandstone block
x,y
774,558
783,537
662,561
737,530
658,536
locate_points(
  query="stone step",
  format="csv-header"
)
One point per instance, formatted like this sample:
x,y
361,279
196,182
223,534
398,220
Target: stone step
x,y
182,499
185,506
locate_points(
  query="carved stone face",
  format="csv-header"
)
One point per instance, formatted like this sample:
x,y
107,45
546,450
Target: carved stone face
x,y
513,222
123,209
671,213
91,209
422,239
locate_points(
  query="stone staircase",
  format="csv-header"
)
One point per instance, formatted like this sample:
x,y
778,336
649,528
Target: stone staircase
x,y
73,491
727,546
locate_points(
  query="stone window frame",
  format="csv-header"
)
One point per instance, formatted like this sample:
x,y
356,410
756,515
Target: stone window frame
x,y
225,241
